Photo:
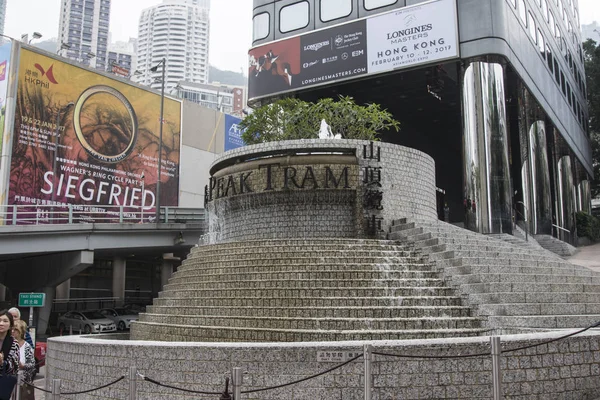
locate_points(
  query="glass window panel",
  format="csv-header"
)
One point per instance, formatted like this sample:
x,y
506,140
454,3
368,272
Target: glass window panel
x,y
532,28
545,9
373,4
334,9
523,11
261,26
541,43
295,16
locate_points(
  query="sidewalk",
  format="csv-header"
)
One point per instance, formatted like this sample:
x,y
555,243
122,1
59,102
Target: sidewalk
x,y
587,256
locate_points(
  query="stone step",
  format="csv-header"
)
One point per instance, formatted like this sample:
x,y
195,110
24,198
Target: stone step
x,y
277,292
539,309
201,284
308,260
520,278
310,244
331,323
253,254
320,312
509,261
261,268
396,233
544,321
307,301
533,297
151,331
528,287
570,270
180,277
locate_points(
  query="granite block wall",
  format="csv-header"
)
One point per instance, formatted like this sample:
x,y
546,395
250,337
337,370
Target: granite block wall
x,y
565,369
407,186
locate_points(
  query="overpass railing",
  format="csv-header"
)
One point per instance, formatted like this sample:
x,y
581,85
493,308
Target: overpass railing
x,y
42,214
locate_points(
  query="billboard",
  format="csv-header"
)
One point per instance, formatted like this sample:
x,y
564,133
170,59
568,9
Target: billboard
x,y
84,139
5,50
233,133
403,38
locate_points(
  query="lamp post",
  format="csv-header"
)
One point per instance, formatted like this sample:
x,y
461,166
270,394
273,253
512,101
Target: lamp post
x,y
63,46
36,35
160,134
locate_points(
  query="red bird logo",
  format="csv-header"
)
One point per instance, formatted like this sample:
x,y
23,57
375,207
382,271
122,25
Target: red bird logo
x,y
49,74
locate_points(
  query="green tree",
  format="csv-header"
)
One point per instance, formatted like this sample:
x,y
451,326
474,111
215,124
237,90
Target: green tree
x,y
289,118
592,72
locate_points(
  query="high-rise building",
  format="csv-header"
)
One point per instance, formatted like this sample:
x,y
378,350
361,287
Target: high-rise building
x,y
83,31
2,15
225,98
122,57
177,30
493,91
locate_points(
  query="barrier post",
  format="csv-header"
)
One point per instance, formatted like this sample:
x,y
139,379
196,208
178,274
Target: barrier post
x,y
496,372
17,392
367,355
55,389
237,380
132,383
70,330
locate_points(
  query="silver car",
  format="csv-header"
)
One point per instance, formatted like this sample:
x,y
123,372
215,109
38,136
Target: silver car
x,y
120,316
86,322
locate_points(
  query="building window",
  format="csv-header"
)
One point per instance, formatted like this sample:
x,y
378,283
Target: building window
x,y
293,17
334,9
532,28
545,9
373,4
523,11
261,26
541,43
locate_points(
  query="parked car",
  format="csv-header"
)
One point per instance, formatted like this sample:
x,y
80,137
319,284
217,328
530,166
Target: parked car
x,y
86,322
120,316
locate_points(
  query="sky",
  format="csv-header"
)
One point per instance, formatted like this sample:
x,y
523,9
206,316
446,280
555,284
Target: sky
x,y
230,33
231,24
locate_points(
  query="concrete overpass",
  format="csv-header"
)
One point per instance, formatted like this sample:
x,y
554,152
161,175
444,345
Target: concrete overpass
x,y
42,258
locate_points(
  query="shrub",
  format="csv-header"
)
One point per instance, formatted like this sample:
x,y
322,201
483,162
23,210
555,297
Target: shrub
x,y
289,119
588,225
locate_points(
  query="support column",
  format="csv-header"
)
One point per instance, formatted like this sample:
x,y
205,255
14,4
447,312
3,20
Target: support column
x,y
166,270
63,291
43,315
486,174
2,292
118,282
566,198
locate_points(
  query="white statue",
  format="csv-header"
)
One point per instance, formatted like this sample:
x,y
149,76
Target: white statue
x,y
325,131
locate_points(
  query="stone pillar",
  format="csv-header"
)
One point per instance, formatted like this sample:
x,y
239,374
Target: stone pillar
x,y
118,282
486,174
63,291
43,313
166,270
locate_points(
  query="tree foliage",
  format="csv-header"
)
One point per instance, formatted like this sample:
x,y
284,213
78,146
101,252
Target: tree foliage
x,y
592,71
289,119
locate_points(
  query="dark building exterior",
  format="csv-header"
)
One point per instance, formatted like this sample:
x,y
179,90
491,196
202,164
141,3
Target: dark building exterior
x,y
493,90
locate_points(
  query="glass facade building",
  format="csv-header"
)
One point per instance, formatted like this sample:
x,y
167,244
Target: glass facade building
x,y
504,114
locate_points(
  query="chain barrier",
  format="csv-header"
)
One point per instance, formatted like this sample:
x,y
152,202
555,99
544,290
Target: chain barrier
x,y
367,351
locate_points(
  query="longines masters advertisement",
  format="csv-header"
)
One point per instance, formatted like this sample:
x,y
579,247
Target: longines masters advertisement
x,y
89,141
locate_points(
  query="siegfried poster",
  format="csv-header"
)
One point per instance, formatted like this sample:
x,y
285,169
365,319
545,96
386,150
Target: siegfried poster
x,y
89,141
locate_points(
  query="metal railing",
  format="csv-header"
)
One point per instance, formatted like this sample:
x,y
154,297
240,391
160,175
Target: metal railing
x,y
46,214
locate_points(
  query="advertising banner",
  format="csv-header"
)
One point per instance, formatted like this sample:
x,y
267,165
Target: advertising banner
x,y
87,140
4,65
403,38
233,133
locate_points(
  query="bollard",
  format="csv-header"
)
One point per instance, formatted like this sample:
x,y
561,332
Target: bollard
x,y
55,389
70,330
19,388
236,382
496,372
367,355
132,383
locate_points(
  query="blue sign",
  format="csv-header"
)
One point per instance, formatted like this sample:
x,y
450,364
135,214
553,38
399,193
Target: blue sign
x,y
233,133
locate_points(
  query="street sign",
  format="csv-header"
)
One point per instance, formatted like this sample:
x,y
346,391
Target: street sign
x,y
32,299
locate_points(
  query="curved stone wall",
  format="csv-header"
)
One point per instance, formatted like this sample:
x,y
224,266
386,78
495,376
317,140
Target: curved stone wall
x,y
565,369
317,188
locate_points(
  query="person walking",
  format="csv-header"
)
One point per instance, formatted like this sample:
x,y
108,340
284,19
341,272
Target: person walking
x,y
26,361
9,356
16,314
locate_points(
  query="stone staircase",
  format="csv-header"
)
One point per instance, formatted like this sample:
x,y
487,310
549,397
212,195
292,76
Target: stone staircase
x,y
307,290
515,287
555,245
